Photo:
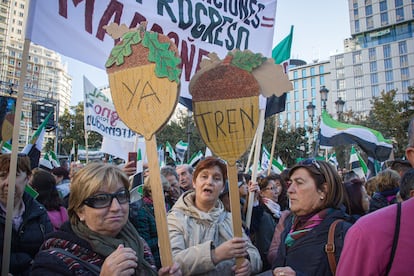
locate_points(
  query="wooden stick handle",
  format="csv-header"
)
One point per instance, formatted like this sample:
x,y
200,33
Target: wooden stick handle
x,y
235,205
159,202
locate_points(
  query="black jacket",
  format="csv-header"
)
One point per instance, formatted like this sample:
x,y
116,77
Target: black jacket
x,y
307,255
25,242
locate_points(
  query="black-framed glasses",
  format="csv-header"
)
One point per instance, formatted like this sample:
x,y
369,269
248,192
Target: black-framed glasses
x,y
105,200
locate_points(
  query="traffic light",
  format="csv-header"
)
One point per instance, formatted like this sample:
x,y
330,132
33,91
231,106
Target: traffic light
x,y
40,110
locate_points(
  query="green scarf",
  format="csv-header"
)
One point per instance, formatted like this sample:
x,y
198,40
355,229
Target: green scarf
x,y
105,245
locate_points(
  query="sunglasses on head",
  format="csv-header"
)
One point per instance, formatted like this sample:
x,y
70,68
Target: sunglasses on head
x,y
311,162
105,200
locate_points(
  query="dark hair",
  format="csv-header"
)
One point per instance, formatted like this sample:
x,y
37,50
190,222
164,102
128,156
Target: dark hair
x,y
45,184
407,184
326,173
60,171
210,162
353,190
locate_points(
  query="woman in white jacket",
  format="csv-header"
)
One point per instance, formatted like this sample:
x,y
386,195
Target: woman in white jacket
x,y
200,229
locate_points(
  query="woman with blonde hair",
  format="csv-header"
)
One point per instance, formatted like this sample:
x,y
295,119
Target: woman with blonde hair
x,y
98,239
388,185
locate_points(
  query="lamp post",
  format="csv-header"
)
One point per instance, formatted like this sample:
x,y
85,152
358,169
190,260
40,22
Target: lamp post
x,y
311,112
324,96
340,108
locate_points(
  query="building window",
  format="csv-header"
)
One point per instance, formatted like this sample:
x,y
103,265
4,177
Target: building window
x,y
358,82
339,61
313,82
405,84
288,106
398,3
387,64
359,93
368,10
386,50
304,83
370,22
383,5
304,94
295,75
322,69
375,91
373,66
389,86
296,85
358,70
372,54
296,95
340,73
313,93
312,71
356,57
405,73
11,61
374,78
389,76
403,61
297,116
303,73
384,18
340,84
399,14
402,47
297,105
321,80
357,27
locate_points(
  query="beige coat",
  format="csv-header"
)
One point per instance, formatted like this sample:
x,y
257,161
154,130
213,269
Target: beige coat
x,y
193,232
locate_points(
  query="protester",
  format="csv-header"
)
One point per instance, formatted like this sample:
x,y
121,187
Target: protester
x,y
45,184
99,235
407,185
266,214
62,181
171,175
141,214
358,199
185,174
201,230
30,222
316,197
388,185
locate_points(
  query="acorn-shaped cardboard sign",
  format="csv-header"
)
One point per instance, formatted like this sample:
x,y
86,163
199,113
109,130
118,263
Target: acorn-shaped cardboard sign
x,y
226,99
143,76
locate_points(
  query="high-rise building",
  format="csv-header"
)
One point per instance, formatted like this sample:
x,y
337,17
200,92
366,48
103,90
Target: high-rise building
x,y
378,57
47,79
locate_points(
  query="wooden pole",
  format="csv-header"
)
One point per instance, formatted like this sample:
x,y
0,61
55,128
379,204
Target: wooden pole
x,y
272,152
13,161
259,132
159,202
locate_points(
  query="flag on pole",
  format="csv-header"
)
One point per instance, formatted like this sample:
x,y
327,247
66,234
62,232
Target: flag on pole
x,y
281,55
334,133
160,151
52,158
332,159
373,167
180,149
140,162
170,150
208,152
277,164
357,164
34,148
195,158
6,148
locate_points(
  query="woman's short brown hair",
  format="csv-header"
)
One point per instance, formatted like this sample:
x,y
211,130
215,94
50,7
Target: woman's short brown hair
x,y
323,172
210,162
88,181
23,163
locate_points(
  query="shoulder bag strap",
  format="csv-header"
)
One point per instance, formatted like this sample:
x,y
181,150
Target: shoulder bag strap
x,y
330,246
96,270
395,240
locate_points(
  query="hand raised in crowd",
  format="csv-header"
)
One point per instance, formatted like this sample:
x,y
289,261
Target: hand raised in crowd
x,y
130,168
122,261
234,248
253,187
284,271
173,270
244,269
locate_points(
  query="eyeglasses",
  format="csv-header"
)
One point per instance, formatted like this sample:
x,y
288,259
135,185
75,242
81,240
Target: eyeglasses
x,y
105,200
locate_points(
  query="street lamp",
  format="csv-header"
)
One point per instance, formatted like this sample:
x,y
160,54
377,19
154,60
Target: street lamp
x,y
339,107
324,96
311,112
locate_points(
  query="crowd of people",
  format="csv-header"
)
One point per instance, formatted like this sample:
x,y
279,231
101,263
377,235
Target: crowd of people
x,y
308,220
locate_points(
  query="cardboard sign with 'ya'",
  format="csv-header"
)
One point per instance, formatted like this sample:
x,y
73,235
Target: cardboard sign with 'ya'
x,y
144,76
225,97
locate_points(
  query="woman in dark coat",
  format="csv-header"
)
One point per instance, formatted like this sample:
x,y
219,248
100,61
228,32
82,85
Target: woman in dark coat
x,y
316,197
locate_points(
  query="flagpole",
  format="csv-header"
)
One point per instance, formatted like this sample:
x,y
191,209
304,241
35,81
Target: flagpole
x,y
13,161
259,133
272,152
246,170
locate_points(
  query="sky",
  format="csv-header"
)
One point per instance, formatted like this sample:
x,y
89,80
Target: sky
x,y
320,27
